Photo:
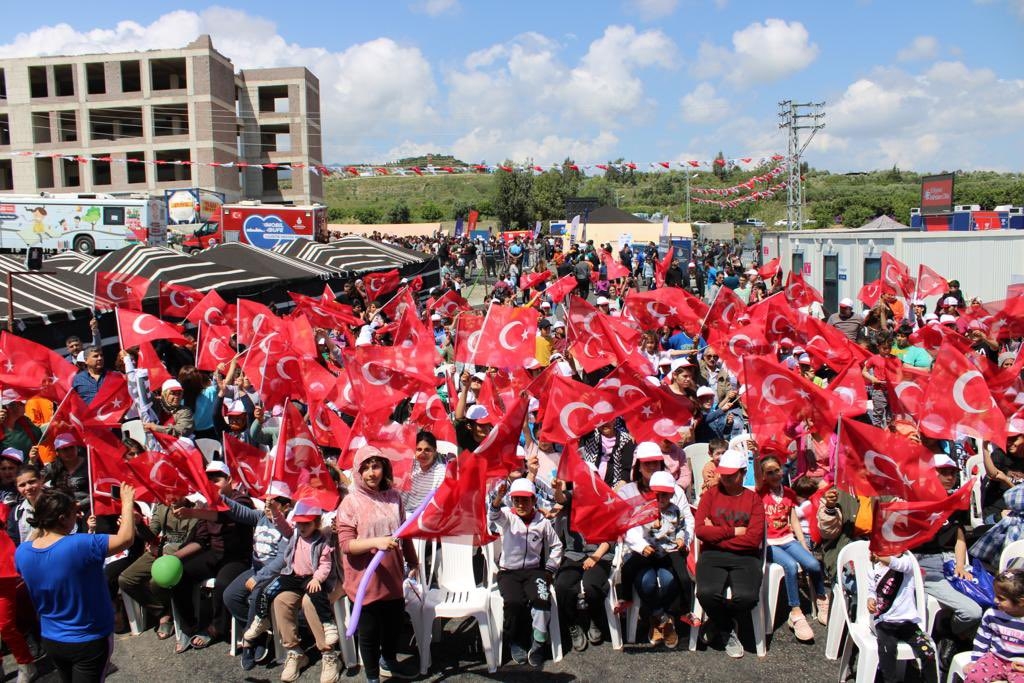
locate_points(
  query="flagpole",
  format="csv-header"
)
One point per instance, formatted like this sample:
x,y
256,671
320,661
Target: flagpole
x,y
839,432
703,322
88,480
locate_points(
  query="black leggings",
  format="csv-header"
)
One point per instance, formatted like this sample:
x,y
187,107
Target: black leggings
x,y
721,569
890,635
379,626
595,587
80,662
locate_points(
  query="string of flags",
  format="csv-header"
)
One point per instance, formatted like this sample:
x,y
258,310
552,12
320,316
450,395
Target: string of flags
x,y
739,189
752,197
371,171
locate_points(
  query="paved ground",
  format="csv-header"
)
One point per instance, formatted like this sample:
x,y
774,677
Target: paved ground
x,y
458,657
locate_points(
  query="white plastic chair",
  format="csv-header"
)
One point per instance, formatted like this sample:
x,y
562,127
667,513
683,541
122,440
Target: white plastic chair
x,y
757,615
1012,556
209,447
974,469
836,624
497,607
774,578
697,455
457,596
133,430
860,627
347,644
136,615
957,666
614,623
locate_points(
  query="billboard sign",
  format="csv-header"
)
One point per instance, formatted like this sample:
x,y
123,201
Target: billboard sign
x,y
937,194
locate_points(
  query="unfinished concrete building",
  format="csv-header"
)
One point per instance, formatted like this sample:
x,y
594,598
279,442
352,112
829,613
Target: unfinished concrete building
x,y
176,109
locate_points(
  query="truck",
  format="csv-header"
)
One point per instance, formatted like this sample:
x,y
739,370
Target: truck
x,y
86,222
261,225
190,207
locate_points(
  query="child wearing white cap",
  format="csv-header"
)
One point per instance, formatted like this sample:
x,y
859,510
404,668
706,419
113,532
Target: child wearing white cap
x,y
530,554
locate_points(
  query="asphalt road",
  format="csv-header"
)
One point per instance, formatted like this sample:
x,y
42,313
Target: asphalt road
x,y
457,657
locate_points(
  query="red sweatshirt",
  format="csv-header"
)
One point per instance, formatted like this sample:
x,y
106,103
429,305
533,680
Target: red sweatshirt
x,y
726,513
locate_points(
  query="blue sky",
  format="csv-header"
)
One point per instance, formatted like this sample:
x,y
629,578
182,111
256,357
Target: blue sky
x,y
928,86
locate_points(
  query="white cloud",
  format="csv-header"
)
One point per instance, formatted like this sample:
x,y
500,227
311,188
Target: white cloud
x,y
652,9
702,106
761,53
921,47
435,7
494,146
357,104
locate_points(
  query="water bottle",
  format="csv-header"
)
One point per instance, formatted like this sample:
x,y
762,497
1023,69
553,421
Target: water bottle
x,y
581,599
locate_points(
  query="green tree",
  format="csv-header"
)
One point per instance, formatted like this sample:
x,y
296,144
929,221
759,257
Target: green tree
x,y
399,213
857,215
368,215
599,188
513,199
460,209
336,214
430,212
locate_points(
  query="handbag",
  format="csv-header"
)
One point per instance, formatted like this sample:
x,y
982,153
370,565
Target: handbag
x,y
980,588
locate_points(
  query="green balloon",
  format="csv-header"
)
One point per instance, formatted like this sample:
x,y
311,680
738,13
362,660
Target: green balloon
x,y
167,571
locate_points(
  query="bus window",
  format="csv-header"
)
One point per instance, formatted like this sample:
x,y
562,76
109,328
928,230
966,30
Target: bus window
x,y
113,215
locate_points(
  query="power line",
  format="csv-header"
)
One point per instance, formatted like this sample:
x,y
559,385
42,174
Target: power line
x,y
790,113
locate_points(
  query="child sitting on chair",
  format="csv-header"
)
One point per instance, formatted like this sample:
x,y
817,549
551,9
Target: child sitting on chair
x,y
999,645
892,602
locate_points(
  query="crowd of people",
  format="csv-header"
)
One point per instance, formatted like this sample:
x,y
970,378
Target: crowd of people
x,y
302,532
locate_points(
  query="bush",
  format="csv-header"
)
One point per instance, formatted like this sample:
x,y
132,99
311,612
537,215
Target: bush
x,y
431,212
368,215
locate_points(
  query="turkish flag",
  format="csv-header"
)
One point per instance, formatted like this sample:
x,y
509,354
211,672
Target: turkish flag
x,y
32,368
666,306
598,340
176,301
319,383
614,270
661,267
255,321
930,283
106,469
906,397
1002,319
739,342
777,398
901,526
896,274
211,309
499,447
162,478
382,376
875,462
459,506
449,304
430,413
327,314
69,416
119,290
151,363
572,409
531,280
798,293
561,288
768,271
662,416
726,309
508,337
870,293
416,284
188,459
849,394
298,462
598,514
379,284
213,346
327,426
249,465
135,328
398,304
958,401
111,402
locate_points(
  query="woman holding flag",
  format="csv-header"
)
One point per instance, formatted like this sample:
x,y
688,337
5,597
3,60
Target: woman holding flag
x,y
366,522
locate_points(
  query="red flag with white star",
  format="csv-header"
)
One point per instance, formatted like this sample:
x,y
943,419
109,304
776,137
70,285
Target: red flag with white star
x,y
903,526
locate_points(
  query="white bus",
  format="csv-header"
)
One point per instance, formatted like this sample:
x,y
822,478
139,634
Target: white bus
x,y
87,223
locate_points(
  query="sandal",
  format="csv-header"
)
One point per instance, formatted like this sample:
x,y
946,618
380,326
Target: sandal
x,y
181,648
201,640
801,628
165,630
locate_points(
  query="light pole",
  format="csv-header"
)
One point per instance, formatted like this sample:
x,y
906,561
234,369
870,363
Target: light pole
x,y
688,193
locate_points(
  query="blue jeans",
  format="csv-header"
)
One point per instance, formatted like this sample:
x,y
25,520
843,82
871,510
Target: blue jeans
x,y
791,557
657,588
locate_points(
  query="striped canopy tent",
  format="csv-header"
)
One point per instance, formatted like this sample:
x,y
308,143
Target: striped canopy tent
x,y
167,265
279,267
354,255
44,298
66,260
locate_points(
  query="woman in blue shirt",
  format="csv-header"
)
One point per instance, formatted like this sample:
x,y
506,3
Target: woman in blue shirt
x,y
64,574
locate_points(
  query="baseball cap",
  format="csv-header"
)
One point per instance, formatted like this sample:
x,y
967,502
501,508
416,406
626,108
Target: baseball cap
x,y
846,302
705,391
545,304
80,358
479,375
602,301
520,452
306,511
218,467
950,301
557,325
64,440
647,451
786,341
522,487
662,482
435,318
478,413
681,363
170,385
236,408
804,359
533,405
279,489
1015,426
928,317
13,454
10,396
691,264
544,324
946,318
941,461
731,462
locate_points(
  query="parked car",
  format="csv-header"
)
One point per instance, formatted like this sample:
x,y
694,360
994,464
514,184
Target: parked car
x,y
781,223
756,222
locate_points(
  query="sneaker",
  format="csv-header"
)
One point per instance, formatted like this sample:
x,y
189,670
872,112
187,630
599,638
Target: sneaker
x,y
669,631
26,673
712,637
257,629
947,649
392,668
261,653
657,634
293,665
734,648
801,629
248,658
579,639
330,634
518,653
329,670
822,605
594,635
536,655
